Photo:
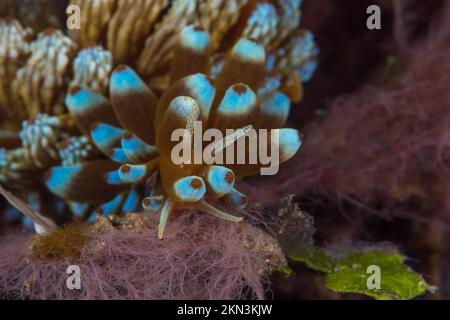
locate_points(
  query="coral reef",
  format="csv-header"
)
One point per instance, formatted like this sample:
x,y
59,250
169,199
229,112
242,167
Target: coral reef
x,y
144,34
40,84
15,49
36,14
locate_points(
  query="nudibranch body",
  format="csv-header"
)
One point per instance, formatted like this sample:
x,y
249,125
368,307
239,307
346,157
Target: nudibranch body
x,y
142,143
230,64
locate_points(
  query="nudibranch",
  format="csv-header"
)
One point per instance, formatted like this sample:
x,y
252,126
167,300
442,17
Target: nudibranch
x,y
227,63
134,130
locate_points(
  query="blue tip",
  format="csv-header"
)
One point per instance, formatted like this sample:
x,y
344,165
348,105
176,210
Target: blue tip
x,y
220,180
124,79
183,106
58,179
236,199
118,155
81,100
153,204
192,37
92,217
136,149
106,136
277,105
131,203
289,142
249,50
202,91
28,223
307,70
78,208
12,214
132,173
190,189
239,99
113,178
111,207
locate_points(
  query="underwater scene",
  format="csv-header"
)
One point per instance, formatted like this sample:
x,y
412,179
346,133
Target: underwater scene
x,y
224,150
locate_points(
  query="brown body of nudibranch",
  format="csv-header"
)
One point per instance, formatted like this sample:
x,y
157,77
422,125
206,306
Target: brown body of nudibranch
x,y
136,129
198,60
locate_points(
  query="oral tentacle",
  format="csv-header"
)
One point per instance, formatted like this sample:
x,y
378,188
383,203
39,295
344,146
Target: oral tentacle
x,y
177,116
218,213
168,207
